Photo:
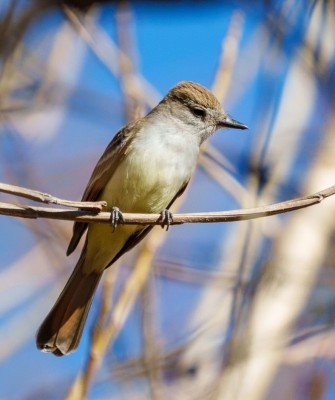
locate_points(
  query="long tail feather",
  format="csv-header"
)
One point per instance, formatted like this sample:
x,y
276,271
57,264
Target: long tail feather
x,y
61,330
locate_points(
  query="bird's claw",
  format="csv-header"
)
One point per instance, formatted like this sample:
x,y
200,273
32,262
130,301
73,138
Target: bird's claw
x,y
116,216
167,219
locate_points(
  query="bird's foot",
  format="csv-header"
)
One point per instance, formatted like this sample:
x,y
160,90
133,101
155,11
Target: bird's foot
x,y
116,217
167,219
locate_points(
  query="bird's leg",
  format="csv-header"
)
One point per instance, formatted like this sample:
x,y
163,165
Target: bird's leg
x,y
116,216
167,219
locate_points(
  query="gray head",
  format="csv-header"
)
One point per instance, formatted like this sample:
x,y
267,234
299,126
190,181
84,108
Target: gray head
x,y
198,107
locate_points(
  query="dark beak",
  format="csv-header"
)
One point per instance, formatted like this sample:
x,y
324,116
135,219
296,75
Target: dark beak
x,y
228,122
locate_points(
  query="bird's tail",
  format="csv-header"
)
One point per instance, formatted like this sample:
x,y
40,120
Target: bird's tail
x,y
61,330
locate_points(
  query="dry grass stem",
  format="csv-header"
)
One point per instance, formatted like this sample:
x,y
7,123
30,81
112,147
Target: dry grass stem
x,y
229,52
223,178
151,350
102,45
134,104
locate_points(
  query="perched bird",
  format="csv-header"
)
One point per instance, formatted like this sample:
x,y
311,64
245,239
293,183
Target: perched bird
x,y
146,166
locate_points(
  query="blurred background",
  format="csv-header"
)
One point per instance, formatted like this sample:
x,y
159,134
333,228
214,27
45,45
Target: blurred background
x,y
206,311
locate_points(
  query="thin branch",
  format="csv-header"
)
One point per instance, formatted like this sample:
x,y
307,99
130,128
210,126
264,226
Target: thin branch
x,y
48,198
89,216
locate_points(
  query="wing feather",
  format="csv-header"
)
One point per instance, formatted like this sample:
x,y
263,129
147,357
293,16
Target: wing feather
x,y
102,173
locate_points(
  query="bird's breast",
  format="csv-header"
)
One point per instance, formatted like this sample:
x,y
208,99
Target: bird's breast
x,y
152,173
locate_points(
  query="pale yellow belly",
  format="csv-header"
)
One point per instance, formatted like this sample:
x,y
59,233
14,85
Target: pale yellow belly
x,y
139,185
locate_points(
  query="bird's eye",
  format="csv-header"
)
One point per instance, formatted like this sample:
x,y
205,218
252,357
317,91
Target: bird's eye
x,y
198,112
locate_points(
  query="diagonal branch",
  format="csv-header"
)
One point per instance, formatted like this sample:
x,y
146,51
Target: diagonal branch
x,y
48,198
93,214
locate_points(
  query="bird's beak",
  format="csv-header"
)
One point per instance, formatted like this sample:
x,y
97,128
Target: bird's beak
x,y
228,122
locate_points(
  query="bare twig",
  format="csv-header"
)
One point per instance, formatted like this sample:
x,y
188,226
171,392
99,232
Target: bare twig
x,y
82,215
48,198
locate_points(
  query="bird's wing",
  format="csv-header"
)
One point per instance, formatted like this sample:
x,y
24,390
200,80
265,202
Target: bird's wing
x,y
180,192
139,234
103,172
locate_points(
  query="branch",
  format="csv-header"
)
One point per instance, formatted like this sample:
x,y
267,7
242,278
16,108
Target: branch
x,y
48,198
90,212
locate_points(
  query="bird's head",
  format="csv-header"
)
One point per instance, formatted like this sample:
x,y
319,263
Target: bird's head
x,y
195,105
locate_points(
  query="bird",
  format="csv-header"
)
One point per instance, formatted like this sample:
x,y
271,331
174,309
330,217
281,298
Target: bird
x,y
144,169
